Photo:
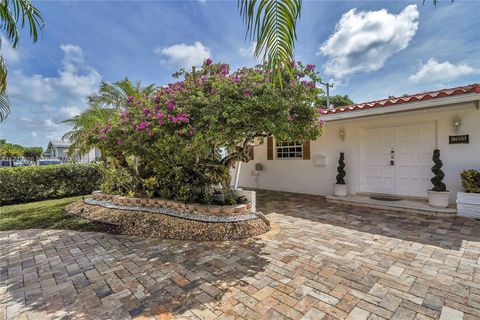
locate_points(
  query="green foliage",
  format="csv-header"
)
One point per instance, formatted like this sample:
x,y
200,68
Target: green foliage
x,y
117,181
471,180
33,153
176,134
272,24
150,185
437,180
336,101
14,15
15,151
103,108
341,169
25,184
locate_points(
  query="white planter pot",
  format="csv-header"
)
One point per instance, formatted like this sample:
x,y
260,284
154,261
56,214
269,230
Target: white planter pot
x,y
468,204
438,199
340,190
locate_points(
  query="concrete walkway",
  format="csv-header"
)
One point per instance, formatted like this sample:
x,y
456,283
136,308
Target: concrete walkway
x,y
324,261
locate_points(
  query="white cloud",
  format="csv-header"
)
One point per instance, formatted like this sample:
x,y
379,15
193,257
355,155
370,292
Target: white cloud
x,y
435,71
75,81
32,89
49,124
184,55
248,52
363,40
40,103
69,112
34,134
10,55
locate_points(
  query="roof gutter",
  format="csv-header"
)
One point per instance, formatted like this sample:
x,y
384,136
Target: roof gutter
x,y
409,106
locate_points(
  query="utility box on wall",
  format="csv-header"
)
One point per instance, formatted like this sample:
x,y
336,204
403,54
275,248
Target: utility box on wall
x,y
320,160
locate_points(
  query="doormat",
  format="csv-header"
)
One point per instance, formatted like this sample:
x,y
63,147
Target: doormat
x,y
385,198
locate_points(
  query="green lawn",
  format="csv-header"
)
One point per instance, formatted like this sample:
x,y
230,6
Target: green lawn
x,y
47,214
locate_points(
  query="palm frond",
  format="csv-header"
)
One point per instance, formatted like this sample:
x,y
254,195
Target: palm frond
x,y
20,13
3,73
4,106
272,24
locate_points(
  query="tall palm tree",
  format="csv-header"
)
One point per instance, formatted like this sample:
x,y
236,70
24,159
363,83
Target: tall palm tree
x,y
272,24
102,109
15,14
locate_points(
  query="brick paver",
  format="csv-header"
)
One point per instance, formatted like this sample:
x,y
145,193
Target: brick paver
x,y
324,262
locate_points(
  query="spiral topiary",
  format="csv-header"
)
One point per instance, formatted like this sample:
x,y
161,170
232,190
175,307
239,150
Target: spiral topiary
x,y
437,180
341,172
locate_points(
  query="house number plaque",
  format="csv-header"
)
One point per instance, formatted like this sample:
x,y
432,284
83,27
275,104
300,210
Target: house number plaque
x,y
458,139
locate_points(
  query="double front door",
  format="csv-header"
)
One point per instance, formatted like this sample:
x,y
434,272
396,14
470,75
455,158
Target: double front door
x,y
397,160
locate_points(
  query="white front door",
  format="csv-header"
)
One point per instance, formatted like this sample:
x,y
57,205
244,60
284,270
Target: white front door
x,y
397,160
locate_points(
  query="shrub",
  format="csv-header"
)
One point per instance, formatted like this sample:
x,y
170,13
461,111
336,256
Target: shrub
x,y
117,181
26,184
471,180
437,180
341,169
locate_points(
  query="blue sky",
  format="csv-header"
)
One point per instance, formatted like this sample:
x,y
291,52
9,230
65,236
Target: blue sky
x,y
369,49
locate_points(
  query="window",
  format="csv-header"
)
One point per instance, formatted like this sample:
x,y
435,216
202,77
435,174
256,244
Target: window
x,y
289,150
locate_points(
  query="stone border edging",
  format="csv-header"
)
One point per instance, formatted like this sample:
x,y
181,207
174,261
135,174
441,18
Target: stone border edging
x,y
177,213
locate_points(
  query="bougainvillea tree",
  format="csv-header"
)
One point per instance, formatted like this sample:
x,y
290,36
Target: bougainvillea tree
x,y
177,134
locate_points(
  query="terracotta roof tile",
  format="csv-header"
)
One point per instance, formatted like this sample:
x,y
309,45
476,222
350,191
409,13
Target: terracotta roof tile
x,y
472,88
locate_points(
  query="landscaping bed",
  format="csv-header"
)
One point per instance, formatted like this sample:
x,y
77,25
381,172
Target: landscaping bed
x,y
158,218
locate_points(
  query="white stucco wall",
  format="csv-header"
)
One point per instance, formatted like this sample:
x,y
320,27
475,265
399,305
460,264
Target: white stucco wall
x,y
302,176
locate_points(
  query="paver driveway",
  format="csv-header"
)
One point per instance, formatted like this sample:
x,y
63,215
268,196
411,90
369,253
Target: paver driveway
x,y
325,261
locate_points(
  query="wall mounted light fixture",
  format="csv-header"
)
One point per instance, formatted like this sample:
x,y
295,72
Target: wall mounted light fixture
x,y
457,123
341,134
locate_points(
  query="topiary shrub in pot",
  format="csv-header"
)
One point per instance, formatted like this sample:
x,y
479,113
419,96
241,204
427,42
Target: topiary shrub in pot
x,y
340,188
438,195
468,202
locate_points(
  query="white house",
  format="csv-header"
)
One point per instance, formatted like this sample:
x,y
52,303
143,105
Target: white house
x,y
388,147
58,149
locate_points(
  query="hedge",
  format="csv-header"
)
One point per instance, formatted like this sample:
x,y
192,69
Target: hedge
x,y
26,184
471,180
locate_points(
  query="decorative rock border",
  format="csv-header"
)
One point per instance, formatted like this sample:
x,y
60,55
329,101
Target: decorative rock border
x,y
196,208
168,223
183,213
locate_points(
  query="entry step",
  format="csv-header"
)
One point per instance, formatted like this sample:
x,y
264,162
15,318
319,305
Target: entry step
x,y
400,205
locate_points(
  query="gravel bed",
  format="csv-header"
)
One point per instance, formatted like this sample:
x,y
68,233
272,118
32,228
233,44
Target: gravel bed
x,y
177,213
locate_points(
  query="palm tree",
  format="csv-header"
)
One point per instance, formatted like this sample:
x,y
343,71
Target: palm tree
x,y
272,24
95,115
102,109
15,14
115,95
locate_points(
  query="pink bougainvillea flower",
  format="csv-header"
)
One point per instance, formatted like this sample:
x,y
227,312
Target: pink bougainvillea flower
x,y
119,141
170,105
142,125
246,93
310,67
207,62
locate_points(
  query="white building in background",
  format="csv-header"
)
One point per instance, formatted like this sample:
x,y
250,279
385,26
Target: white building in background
x,y
388,146
58,149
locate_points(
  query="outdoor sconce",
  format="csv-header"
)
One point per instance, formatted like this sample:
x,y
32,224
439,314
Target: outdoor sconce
x,y
457,123
341,134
